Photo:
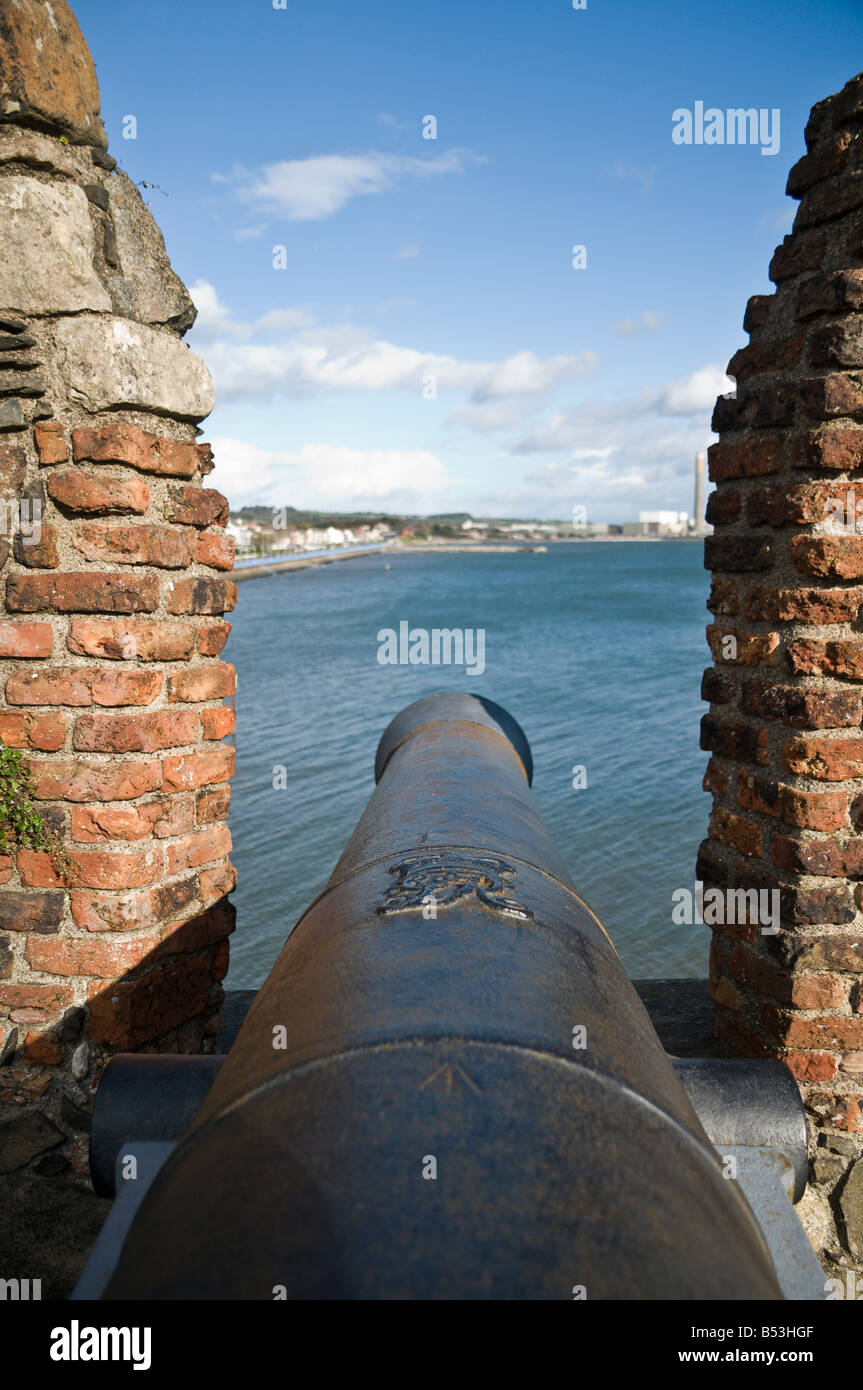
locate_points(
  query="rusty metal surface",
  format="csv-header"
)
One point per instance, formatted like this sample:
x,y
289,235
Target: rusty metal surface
x,y
412,1029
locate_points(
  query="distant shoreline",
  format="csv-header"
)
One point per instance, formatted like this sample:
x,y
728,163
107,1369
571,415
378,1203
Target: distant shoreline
x,y
301,562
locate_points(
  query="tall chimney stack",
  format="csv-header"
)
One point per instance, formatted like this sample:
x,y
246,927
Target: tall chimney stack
x,y
698,515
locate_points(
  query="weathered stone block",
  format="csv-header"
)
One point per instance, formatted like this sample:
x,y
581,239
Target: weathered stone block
x,y
115,362
47,261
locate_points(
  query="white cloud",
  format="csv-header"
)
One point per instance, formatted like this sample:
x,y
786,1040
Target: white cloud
x,y
306,190
407,253
637,173
650,322
696,392
343,357
215,318
328,475
686,397
527,374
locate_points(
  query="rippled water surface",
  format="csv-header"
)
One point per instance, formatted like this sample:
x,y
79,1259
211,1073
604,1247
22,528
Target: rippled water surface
x,y
597,650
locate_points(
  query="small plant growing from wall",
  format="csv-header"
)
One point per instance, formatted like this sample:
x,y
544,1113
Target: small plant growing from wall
x,y
21,826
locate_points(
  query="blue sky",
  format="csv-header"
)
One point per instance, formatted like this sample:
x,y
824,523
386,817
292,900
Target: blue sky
x,y
415,266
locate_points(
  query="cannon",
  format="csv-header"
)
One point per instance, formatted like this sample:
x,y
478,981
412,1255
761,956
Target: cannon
x,y
448,1087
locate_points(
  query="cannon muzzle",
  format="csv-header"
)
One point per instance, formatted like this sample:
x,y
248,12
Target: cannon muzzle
x,y
448,1087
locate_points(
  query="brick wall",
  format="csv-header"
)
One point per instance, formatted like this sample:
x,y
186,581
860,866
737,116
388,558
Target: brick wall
x,y
786,687
111,636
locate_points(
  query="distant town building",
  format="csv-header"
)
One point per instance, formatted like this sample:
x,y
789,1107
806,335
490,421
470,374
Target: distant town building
x,y
661,523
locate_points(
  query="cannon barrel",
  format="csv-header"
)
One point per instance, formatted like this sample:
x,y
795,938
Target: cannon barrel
x,y
447,1087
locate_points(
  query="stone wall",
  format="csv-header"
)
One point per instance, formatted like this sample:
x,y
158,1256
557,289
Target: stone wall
x,y
113,557
786,689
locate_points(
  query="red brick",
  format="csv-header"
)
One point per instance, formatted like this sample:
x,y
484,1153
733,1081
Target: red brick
x,y
830,294
212,638
838,393
150,453
815,606
97,869
736,553
829,1034
753,649
821,991
130,911
197,683
47,998
830,159
31,912
814,503
723,507
746,459
41,554
44,732
795,255
801,706
823,858
213,805
127,1013
199,595
207,929
196,506
830,199
758,310
743,1040
78,780
43,1049
808,810
97,824
50,443
214,550
724,598
810,1066
221,960
83,685
192,770
217,882
25,640
776,355
84,956
216,723
838,344
837,448
828,557
82,592
135,733
79,491
752,970
835,952
814,658
730,829
132,545
740,742
36,869
201,847
828,759
124,640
